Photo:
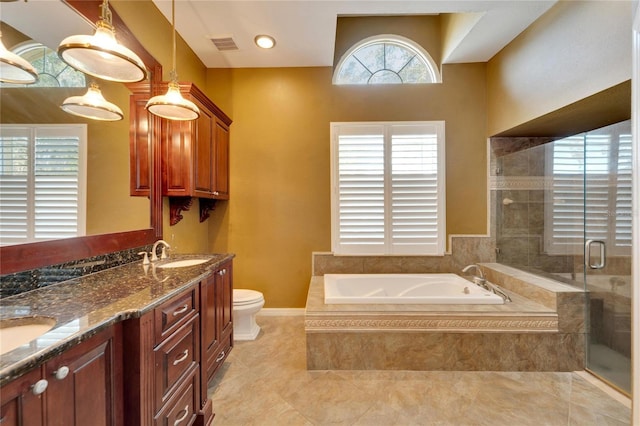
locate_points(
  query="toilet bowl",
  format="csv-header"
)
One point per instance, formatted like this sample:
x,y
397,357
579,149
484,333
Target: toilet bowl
x,y
246,304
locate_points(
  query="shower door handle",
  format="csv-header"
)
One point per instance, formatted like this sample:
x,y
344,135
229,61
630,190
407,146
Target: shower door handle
x,y
587,254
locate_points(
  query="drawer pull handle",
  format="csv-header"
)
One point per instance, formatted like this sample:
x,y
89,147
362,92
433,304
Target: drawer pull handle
x,y
220,357
39,387
61,372
185,413
184,356
181,310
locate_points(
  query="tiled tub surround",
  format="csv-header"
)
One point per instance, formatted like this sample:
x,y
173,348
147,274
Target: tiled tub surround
x,y
541,330
84,306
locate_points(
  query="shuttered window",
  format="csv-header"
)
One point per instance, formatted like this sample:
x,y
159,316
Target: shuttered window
x,y
590,194
388,188
43,180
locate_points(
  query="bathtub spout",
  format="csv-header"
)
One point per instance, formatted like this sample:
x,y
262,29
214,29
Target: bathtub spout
x,y
497,290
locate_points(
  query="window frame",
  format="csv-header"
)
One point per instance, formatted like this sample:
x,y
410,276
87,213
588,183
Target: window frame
x,y
432,67
389,248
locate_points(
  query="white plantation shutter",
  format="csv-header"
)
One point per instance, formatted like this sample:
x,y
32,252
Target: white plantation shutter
x,y
591,178
14,184
624,206
43,182
388,188
564,230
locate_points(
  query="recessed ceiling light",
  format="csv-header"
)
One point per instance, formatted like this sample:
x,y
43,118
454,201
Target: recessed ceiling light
x,y
265,41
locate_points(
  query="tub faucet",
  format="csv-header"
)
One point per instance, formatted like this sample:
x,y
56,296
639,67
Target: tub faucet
x,y
477,279
482,282
154,254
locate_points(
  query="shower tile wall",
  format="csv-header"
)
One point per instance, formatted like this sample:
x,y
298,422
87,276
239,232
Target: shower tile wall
x,y
518,184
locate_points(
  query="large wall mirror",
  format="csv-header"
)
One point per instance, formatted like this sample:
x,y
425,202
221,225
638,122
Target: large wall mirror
x,y
114,219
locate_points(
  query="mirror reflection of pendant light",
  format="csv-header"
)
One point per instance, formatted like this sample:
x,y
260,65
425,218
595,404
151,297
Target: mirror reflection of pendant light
x,y
14,68
172,105
92,105
100,55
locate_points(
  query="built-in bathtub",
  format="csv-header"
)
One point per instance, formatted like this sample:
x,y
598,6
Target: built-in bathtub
x,y
542,329
437,289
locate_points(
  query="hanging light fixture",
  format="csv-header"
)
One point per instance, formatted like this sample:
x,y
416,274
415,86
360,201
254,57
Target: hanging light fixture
x,y
100,55
14,68
92,105
172,105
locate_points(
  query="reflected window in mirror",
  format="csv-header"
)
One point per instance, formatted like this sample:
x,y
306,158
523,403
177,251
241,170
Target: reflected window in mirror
x,y
52,71
43,191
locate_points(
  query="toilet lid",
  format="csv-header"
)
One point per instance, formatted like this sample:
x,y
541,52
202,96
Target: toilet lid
x,y
243,296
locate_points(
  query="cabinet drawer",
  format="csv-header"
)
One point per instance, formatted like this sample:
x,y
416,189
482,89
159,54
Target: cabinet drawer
x,y
173,358
218,357
173,313
181,408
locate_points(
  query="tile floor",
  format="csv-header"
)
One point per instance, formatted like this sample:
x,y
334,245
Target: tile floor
x,y
265,382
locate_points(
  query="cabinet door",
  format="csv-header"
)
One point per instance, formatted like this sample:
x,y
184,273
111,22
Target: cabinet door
x,y
177,168
210,320
224,287
221,171
85,382
139,145
204,153
20,406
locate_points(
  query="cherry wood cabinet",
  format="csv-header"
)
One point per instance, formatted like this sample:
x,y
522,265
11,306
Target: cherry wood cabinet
x,y
20,404
195,154
81,386
217,321
162,362
140,129
195,157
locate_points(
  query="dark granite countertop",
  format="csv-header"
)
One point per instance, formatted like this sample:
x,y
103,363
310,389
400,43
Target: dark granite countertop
x,y
83,306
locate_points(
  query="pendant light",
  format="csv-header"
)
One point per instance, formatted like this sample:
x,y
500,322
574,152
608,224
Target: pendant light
x,y
172,105
92,105
14,68
100,55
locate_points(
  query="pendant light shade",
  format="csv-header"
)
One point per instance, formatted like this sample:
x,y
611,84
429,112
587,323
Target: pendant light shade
x,y
172,105
92,105
15,69
100,55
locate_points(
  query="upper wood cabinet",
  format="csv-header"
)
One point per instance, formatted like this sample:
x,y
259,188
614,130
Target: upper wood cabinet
x,y
139,141
195,154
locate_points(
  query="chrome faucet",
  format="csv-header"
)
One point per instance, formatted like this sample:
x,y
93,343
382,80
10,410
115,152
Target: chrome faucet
x,y
154,250
477,279
482,282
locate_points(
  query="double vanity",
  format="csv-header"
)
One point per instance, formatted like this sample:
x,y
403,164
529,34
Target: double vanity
x,y
136,344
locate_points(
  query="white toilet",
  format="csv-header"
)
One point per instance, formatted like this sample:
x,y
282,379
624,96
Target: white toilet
x,y
246,304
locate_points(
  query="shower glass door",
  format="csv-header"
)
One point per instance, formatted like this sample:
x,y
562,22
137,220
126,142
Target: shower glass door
x,y
607,269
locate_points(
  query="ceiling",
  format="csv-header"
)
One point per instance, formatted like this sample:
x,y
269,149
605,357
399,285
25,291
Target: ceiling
x,y
305,29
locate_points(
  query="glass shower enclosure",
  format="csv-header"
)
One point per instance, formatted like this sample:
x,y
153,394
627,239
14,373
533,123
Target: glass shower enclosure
x,y
563,209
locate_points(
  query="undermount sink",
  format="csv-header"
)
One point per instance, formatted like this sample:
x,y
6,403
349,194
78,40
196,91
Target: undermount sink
x,y
15,332
183,263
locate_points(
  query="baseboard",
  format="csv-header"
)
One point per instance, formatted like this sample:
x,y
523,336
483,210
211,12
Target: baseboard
x,y
281,312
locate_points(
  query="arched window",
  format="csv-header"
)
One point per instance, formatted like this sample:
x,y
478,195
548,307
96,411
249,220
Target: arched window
x,y
386,59
52,71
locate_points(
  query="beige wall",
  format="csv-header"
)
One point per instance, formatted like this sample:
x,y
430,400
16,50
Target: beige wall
x,y
279,211
279,208
576,49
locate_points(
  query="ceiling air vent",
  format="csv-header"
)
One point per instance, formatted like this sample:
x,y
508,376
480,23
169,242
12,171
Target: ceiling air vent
x,y
224,43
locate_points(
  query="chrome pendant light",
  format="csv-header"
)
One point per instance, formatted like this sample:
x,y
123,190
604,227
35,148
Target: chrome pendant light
x,y
15,69
100,55
172,105
92,105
